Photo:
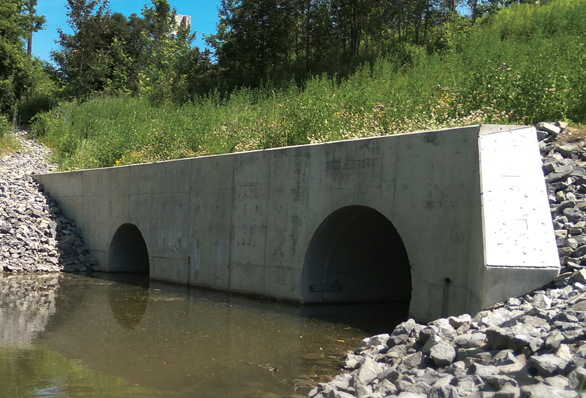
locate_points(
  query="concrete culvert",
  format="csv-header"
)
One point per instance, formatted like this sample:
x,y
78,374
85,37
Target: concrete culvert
x,y
356,255
128,251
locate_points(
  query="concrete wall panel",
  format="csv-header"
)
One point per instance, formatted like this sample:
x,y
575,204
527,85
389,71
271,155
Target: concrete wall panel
x,y
243,222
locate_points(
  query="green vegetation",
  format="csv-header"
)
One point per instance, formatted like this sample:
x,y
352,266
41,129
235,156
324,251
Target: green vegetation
x,y
287,72
38,371
8,143
525,64
23,79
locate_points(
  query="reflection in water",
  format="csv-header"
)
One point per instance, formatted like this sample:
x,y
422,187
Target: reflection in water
x,y
128,298
26,304
372,318
107,338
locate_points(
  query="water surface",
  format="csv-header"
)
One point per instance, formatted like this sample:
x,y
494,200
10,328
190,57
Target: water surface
x,y
122,335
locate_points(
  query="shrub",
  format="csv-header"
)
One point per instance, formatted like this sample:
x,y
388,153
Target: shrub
x,y
37,103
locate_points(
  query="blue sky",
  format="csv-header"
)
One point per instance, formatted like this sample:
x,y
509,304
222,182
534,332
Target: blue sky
x,y
204,16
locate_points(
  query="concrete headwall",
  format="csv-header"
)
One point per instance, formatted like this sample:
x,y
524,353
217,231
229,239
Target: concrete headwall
x,y
447,219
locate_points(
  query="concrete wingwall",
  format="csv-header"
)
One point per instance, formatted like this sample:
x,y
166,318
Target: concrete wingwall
x,y
387,218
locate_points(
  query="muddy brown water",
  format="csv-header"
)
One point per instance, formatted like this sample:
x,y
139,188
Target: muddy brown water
x,y
123,335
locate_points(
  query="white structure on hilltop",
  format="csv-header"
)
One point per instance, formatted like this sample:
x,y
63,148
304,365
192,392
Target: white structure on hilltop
x,y
183,21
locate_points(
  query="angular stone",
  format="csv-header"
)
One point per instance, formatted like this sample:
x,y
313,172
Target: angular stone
x,y
549,127
390,374
369,370
483,371
470,340
577,378
564,352
517,371
554,340
457,321
579,276
555,177
466,386
571,243
500,316
519,341
567,149
411,361
407,327
398,340
379,339
444,329
581,251
342,381
444,392
541,301
543,391
504,357
498,338
352,361
431,376
567,204
363,391
500,381
556,381
547,364
342,394
444,381
424,335
442,354
430,343
411,395
573,214
386,388
508,392
420,387
542,135
404,384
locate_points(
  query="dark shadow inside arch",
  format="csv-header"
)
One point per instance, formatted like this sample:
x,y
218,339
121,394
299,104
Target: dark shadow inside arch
x,y
356,255
128,251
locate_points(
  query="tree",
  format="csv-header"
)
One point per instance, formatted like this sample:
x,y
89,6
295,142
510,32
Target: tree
x,y
33,23
172,65
251,43
19,74
83,57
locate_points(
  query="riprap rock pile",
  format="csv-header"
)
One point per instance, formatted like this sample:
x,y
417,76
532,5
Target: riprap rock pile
x,y
34,235
530,346
564,166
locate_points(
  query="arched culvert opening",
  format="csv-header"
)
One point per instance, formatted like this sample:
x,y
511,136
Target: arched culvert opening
x,y
356,255
128,251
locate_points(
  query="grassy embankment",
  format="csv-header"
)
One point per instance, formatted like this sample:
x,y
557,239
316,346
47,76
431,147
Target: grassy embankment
x,y
8,143
524,65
